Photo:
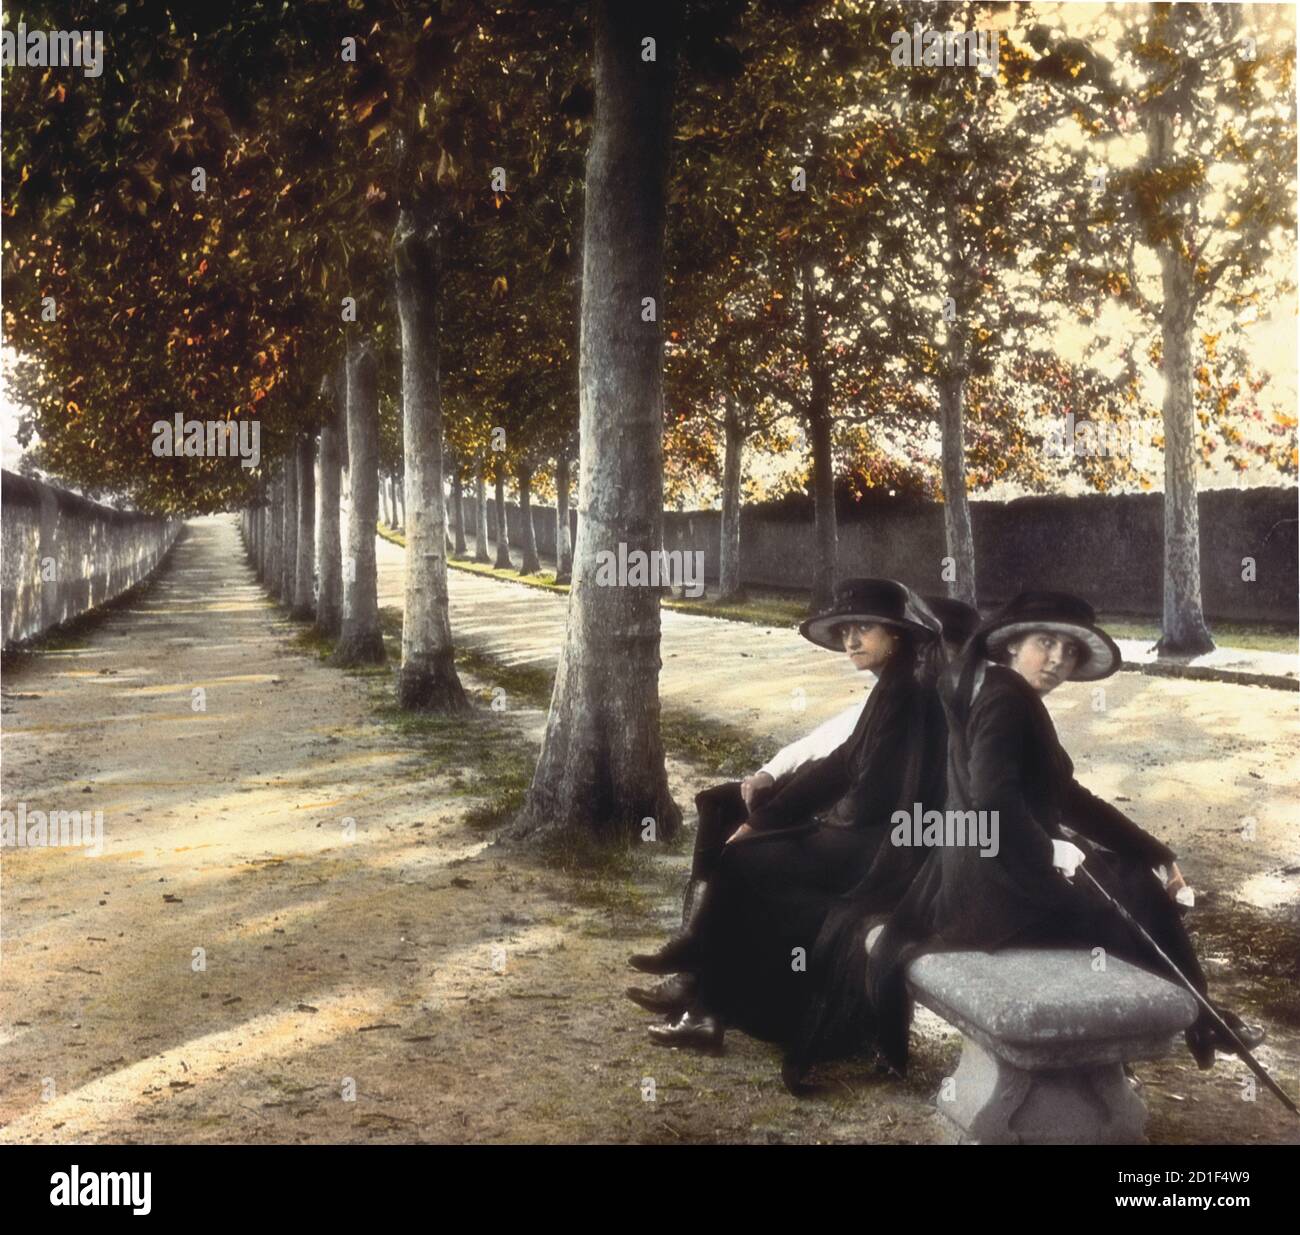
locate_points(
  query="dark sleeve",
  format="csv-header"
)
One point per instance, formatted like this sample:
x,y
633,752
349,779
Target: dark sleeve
x,y
814,787
999,731
1099,821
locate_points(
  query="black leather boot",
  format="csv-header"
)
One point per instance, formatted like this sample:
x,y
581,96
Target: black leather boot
x,y
678,954
694,1031
671,997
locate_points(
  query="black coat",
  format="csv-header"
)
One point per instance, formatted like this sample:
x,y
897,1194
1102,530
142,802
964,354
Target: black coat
x,y
817,869
1004,756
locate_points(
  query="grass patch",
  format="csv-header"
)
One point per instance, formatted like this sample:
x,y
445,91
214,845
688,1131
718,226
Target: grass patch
x,y
312,641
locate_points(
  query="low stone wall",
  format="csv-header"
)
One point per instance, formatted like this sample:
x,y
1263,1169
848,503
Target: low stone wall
x,y
1106,547
62,555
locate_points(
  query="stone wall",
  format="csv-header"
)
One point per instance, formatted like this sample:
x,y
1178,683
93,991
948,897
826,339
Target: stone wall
x,y
1106,547
62,555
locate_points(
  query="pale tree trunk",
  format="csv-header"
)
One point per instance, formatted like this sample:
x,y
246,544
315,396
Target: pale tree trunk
x,y
481,553
532,564
729,586
601,768
563,540
427,680
289,536
275,536
503,524
959,574
1183,629
457,510
361,640
386,500
956,506
304,583
399,500
329,551
825,533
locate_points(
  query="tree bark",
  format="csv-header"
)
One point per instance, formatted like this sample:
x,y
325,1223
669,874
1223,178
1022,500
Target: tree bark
x,y
956,505
329,549
427,679
601,768
563,540
274,537
825,533
289,535
729,585
361,641
457,509
532,564
503,525
304,586
1183,629
481,553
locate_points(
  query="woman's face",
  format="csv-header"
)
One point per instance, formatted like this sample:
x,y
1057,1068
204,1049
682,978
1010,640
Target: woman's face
x,y
1045,659
868,644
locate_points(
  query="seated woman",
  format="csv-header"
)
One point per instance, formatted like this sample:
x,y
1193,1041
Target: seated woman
x,y
772,944
722,809
1004,756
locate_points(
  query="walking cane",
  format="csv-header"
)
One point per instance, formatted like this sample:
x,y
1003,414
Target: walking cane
x,y
1242,1049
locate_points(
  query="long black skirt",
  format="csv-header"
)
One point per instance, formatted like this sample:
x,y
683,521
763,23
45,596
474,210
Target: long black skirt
x,y
768,900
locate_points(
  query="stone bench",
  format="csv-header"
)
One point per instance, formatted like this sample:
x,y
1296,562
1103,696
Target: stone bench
x,y
1044,1041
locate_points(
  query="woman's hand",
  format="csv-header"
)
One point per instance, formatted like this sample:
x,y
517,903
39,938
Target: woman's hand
x,y
751,786
740,833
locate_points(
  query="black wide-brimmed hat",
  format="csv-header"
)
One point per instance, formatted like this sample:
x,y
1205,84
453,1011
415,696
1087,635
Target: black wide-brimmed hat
x,y
870,600
959,619
1060,613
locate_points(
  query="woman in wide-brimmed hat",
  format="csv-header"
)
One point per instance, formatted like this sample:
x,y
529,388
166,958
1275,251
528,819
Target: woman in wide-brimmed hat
x,y
722,809
808,854
1004,756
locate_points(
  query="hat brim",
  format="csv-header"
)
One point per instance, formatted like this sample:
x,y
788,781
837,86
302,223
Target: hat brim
x,y
819,630
1103,655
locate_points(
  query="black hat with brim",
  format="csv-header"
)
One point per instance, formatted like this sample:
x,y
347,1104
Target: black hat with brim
x,y
885,601
1060,614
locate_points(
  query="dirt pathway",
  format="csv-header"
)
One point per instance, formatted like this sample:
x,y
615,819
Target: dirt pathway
x,y
241,964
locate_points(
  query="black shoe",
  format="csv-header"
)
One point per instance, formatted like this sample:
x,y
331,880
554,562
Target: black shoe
x,y
671,997
1205,1037
696,1031
678,954
1250,1035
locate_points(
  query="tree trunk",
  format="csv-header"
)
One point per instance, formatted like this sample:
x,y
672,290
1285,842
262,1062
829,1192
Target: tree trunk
x,y
361,641
503,524
289,537
825,535
329,551
729,585
563,541
532,564
458,509
1183,629
601,768
274,536
399,500
956,505
304,586
427,680
481,553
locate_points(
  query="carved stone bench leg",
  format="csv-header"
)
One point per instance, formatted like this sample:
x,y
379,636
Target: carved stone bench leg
x,y
989,1101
